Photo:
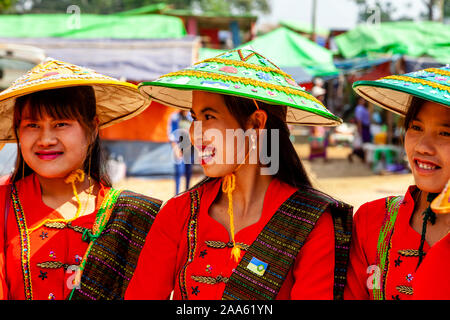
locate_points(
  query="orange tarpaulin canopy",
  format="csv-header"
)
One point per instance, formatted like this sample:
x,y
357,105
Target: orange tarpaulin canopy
x,y
150,125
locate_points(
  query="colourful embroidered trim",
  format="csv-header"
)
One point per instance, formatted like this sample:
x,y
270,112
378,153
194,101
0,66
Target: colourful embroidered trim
x,y
52,265
75,73
342,215
405,290
245,81
115,246
420,81
384,244
409,252
242,56
246,65
24,243
280,242
103,215
221,245
62,225
438,71
210,280
192,241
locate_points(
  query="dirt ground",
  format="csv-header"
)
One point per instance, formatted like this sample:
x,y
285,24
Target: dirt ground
x,y
353,183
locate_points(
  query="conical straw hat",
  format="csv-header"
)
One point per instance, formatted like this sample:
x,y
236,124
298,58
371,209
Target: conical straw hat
x,y
116,100
244,73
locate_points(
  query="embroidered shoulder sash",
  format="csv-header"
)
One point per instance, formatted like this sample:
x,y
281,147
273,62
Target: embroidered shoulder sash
x,y
113,257
277,246
384,245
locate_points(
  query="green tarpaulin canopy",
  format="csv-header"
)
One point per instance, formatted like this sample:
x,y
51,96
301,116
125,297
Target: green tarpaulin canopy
x,y
91,26
287,48
406,38
291,52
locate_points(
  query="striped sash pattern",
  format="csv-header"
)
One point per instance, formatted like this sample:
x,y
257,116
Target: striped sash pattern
x,y
280,242
114,255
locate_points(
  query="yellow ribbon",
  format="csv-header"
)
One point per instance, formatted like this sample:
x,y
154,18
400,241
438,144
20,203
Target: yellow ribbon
x,y
228,186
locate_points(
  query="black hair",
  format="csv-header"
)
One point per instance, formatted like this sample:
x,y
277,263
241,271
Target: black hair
x,y
291,170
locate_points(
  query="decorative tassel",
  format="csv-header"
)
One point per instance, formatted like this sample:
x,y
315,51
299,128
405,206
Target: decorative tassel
x,y
77,175
228,186
236,253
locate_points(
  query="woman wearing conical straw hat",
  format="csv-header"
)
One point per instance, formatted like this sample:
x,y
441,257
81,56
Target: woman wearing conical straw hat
x,y
255,228
401,244
66,233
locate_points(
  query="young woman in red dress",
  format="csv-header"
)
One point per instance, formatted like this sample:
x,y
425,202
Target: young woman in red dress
x,y
400,247
242,234
55,217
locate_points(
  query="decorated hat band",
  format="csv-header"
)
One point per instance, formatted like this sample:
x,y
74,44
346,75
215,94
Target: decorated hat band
x,y
116,100
243,73
395,92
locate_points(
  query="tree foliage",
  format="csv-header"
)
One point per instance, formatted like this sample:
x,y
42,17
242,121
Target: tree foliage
x,y
386,10
435,5
5,5
379,11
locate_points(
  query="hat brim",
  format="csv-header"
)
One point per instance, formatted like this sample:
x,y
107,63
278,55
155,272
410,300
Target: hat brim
x,y
180,96
116,102
394,97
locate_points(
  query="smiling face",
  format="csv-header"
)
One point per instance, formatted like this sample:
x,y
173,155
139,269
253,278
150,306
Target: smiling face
x,y
51,147
218,155
427,145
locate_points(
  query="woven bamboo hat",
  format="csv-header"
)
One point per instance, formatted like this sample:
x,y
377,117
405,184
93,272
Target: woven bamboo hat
x,y
244,73
116,100
396,92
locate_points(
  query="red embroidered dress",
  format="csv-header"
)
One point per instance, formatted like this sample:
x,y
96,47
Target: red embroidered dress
x,y
166,249
52,250
402,281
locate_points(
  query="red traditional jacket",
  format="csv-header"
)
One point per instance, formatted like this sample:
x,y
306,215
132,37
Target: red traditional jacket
x,y
166,248
52,250
403,280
